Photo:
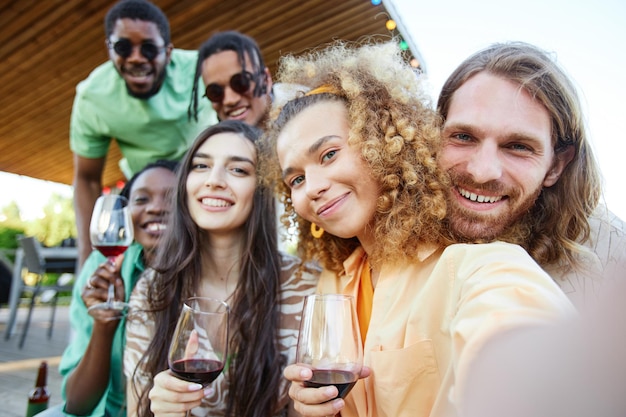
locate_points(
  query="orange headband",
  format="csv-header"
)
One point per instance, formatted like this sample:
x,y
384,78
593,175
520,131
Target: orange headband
x,y
324,88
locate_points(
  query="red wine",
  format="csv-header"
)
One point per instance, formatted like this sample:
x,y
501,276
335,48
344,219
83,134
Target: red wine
x,y
343,380
111,251
201,371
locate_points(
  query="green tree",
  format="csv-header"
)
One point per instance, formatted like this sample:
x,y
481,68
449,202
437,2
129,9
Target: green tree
x,y
57,224
10,216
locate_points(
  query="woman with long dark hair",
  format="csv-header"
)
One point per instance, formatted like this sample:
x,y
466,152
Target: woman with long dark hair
x,y
221,243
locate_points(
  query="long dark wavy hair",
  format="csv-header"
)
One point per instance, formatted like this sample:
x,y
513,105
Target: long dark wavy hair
x,y
254,374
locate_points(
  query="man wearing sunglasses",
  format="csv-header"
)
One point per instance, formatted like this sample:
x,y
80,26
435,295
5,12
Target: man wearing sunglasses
x,y
236,81
139,97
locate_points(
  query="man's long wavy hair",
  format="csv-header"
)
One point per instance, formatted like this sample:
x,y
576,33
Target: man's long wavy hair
x,y
397,133
554,228
254,374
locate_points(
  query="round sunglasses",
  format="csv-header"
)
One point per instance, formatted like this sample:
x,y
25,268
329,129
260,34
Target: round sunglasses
x,y
240,83
124,48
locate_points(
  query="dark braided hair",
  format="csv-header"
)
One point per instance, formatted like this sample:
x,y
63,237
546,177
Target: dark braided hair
x,y
229,41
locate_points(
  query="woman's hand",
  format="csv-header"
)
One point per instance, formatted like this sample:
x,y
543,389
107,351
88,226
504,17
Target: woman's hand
x,y
97,287
313,402
173,397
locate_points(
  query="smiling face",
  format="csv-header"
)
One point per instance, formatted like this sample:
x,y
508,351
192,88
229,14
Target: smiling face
x,y
143,77
330,183
149,201
219,68
498,150
221,183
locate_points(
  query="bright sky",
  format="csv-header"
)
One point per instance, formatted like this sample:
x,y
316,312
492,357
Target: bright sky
x,y
587,37
30,194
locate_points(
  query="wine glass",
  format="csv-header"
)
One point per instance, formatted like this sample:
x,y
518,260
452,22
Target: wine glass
x,y
199,348
329,342
111,232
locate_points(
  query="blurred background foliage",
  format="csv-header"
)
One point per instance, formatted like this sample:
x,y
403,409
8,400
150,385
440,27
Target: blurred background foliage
x,y
56,223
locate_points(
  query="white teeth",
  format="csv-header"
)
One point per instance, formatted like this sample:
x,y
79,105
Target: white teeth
x,y
139,73
155,227
479,198
214,202
237,112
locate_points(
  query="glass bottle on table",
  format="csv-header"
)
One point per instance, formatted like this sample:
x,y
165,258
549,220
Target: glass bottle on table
x,y
111,233
39,396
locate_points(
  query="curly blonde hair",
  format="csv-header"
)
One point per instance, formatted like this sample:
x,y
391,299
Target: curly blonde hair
x,y
397,132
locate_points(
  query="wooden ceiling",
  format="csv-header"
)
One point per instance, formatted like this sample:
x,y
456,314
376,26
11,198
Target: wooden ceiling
x,y
47,47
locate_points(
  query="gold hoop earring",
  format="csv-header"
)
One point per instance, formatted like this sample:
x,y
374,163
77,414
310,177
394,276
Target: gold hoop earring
x,y
316,231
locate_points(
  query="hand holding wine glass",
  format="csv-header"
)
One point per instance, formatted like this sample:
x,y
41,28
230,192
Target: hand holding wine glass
x,y
199,348
111,233
329,342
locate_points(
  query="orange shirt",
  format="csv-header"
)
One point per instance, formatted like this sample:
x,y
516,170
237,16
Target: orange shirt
x,y
365,299
429,316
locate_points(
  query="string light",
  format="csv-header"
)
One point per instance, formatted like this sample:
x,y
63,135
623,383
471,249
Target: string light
x,y
392,27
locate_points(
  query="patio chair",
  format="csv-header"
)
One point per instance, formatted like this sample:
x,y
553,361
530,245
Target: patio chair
x,y
36,264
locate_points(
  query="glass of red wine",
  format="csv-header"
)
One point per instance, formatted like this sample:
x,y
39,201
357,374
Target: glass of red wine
x,y
111,233
199,348
329,342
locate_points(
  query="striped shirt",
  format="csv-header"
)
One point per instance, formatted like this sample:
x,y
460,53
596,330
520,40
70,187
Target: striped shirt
x,y
140,329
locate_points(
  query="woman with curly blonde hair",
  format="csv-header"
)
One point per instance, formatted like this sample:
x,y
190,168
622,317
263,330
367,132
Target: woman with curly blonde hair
x,y
354,159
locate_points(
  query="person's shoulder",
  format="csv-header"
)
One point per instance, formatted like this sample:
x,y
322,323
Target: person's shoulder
x,y
145,281
491,249
296,272
607,235
184,54
100,79
183,59
465,260
604,219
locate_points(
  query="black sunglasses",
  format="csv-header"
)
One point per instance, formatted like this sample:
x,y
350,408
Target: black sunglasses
x,y
240,83
124,48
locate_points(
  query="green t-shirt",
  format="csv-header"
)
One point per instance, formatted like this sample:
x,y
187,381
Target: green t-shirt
x,y
145,129
114,399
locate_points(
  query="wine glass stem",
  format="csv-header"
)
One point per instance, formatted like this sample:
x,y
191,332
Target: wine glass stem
x,y
111,293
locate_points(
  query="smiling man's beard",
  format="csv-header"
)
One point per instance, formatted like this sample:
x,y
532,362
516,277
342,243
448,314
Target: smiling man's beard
x,y
155,88
471,225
